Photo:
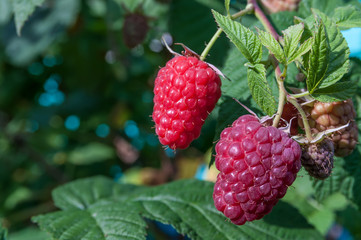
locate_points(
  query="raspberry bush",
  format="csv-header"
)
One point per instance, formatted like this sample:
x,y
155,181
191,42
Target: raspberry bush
x,y
270,81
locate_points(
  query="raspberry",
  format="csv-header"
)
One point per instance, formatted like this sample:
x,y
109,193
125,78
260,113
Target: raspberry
x,y
135,29
324,116
317,158
186,90
256,164
274,6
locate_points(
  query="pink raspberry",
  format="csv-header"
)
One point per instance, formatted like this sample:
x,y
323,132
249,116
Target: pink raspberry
x,y
256,164
186,90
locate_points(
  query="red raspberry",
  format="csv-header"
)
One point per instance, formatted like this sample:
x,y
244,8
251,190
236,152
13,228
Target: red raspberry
x,y
256,164
186,90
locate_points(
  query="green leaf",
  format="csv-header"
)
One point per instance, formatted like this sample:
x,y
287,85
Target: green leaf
x,y
336,92
318,60
22,10
90,212
292,37
347,17
226,5
272,45
260,89
243,38
301,50
46,27
29,233
338,58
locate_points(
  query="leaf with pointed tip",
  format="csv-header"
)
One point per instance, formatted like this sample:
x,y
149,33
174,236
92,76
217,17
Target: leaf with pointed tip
x,y
22,10
347,17
339,52
336,92
243,38
303,49
260,89
272,45
292,37
318,60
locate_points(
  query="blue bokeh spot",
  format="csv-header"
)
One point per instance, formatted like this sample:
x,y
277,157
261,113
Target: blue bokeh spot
x,y
102,130
72,122
49,61
169,152
51,85
131,129
36,69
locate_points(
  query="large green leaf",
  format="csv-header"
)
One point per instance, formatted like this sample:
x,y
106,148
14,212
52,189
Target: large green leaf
x,y
337,58
22,10
337,92
318,60
306,6
260,89
97,208
347,17
243,38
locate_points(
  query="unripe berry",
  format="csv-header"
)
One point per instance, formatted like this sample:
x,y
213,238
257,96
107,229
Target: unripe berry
x,y
256,164
186,90
317,158
324,116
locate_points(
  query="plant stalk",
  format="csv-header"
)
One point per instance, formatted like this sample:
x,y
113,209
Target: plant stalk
x,y
302,94
247,10
293,100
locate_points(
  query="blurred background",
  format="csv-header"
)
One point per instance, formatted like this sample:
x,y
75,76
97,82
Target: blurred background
x,y
76,92
76,98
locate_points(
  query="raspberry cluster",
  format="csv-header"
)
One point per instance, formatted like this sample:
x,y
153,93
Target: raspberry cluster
x,y
324,116
256,164
317,158
186,90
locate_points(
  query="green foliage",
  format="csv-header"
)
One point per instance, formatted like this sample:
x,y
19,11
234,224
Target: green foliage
x,y
22,10
318,63
272,45
260,89
80,44
97,208
292,37
347,17
243,38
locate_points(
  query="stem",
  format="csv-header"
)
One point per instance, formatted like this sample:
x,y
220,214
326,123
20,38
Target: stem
x,y
210,44
247,10
282,96
303,115
298,95
263,19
